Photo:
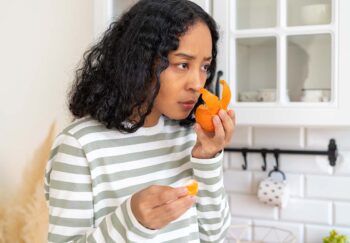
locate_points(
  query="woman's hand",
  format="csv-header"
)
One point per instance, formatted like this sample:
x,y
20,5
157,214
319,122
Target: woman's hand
x,y
157,206
210,143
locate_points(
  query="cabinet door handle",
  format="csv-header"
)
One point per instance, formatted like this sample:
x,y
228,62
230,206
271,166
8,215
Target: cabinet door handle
x,y
217,82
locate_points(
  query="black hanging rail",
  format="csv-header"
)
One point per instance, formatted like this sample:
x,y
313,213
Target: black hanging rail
x,y
332,153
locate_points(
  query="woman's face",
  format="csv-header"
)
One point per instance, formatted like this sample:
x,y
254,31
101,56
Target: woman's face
x,y
186,74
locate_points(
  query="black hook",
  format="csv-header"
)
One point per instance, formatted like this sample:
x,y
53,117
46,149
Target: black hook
x,y
244,153
276,154
263,154
276,168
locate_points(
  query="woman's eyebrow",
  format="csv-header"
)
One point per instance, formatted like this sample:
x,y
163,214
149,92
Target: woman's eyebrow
x,y
190,57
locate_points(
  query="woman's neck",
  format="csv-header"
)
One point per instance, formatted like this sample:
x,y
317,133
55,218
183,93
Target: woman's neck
x,y
152,119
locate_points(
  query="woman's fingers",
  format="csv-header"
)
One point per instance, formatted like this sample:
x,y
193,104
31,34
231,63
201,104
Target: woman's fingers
x,y
219,136
227,123
201,134
156,206
159,195
232,114
174,209
208,143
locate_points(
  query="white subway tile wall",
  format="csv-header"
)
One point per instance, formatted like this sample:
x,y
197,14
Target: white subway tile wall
x,y
311,211
243,137
343,164
284,137
238,181
328,187
320,193
247,205
342,213
318,137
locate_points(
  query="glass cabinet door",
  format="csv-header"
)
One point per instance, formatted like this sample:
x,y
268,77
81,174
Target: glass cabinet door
x,y
282,51
314,12
256,69
253,14
309,67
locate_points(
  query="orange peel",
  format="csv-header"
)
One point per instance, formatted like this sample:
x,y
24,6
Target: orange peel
x,y
204,113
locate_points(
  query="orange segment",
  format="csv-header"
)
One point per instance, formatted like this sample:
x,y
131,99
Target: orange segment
x,y
192,188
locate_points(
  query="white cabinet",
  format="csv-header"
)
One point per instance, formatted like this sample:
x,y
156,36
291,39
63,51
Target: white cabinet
x,y
286,60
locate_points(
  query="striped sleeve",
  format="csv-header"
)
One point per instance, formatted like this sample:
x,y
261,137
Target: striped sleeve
x,y
68,190
212,204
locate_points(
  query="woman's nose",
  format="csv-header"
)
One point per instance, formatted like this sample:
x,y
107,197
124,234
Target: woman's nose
x,y
195,81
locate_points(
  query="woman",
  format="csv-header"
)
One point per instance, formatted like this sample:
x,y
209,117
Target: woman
x,y
117,174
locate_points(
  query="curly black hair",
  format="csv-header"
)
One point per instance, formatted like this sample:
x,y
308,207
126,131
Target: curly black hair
x,y
116,75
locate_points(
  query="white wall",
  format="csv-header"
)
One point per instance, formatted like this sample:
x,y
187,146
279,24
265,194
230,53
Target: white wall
x,y
320,194
41,43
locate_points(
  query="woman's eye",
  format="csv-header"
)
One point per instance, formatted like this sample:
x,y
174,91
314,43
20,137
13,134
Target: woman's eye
x,y
182,65
205,67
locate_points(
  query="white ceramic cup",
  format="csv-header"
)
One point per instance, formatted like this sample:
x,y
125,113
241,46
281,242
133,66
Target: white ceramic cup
x,y
274,192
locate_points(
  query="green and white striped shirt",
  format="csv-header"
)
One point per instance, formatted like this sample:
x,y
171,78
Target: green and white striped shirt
x,y
93,172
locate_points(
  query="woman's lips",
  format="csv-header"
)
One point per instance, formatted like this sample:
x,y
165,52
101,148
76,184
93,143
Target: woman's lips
x,y
188,105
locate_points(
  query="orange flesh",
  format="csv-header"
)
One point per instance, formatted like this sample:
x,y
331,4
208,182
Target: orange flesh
x,y
192,188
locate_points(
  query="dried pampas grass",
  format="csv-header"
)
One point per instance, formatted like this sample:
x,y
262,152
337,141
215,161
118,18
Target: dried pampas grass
x,y
2,224
25,218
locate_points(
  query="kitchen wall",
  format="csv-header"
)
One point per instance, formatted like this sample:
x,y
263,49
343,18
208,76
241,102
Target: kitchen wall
x,y
41,43
320,194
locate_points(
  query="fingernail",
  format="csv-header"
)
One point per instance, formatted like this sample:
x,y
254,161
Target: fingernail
x,y
221,113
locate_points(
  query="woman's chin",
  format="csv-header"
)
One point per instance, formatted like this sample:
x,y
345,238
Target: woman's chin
x,y
178,116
